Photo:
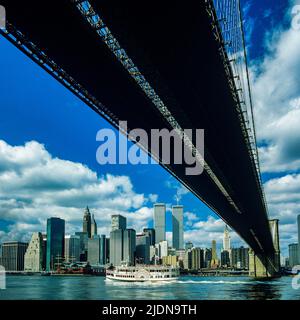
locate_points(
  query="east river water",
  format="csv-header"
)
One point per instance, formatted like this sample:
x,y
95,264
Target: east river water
x,y
187,287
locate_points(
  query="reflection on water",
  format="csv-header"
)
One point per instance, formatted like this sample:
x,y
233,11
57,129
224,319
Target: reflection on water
x,y
99,288
264,290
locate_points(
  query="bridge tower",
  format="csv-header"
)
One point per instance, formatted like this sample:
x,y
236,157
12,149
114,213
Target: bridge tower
x,y
266,266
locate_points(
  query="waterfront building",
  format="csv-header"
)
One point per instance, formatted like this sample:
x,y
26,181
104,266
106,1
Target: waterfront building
x,y
118,222
177,223
180,254
116,247
225,259
293,255
160,222
94,251
44,235
107,250
151,233
93,227
170,261
153,254
240,258
197,259
207,257
162,249
226,240
13,253
103,249
72,248
187,263
83,236
55,242
129,245
214,257
189,245
34,256
143,248
87,222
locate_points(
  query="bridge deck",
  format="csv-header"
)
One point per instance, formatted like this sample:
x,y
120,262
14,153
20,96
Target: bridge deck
x,y
172,44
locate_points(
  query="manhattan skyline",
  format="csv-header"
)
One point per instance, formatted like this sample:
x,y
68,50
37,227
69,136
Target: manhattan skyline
x,y
51,176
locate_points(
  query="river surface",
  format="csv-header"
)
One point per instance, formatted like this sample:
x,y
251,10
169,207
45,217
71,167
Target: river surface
x,y
187,287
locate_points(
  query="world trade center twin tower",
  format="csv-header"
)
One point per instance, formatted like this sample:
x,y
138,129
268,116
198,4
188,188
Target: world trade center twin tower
x,y
177,224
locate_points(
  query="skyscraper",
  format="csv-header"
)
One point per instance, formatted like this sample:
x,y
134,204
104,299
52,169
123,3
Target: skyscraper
x,y
72,248
118,225
116,247
187,263
226,252
226,239
129,244
33,260
94,250
13,253
118,222
83,245
107,249
103,250
293,254
162,249
197,258
225,258
207,257
93,227
177,222
160,222
86,223
240,258
143,248
55,242
214,257
151,233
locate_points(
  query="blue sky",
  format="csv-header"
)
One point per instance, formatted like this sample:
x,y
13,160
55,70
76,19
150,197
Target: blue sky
x,y
48,136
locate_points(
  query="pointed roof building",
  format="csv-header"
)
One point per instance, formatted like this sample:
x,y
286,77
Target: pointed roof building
x,y
226,239
86,224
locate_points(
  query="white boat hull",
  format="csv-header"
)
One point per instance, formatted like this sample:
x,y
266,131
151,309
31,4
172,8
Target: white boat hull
x,y
143,273
141,280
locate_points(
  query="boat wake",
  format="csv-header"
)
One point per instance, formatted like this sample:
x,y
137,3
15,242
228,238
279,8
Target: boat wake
x,y
141,284
213,282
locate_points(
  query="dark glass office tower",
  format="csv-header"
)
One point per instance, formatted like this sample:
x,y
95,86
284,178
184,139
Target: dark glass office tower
x,y
55,242
103,250
151,233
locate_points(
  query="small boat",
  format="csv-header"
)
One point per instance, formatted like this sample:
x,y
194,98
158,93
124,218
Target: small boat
x,y
142,273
